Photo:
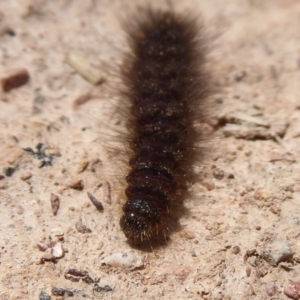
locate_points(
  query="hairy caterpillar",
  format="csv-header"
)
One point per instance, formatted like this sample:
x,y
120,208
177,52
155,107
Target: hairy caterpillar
x,y
167,88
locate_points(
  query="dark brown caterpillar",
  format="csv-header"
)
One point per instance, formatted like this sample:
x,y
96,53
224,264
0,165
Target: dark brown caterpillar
x,y
167,86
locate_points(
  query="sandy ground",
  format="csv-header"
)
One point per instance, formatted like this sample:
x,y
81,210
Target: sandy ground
x,y
240,236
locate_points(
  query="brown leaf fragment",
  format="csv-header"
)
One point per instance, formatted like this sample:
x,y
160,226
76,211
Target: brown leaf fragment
x,y
82,165
282,157
82,100
106,192
54,204
77,273
95,201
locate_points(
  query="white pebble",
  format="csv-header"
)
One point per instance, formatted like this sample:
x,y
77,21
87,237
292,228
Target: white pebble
x,y
279,251
57,231
57,250
123,260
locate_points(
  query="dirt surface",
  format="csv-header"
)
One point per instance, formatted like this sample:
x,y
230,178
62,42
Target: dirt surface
x,y
240,236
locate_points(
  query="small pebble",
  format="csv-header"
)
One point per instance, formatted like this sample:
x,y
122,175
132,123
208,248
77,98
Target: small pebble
x,y
82,228
292,289
271,290
240,76
275,209
54,204
72,278
76,185
218,173
279,251
19,209
53,152
187,235
8,171
248,153
209,185
44,296
248,271
251,252
236,250
48,257
231,176
25,176
61,292
105,288
3,185
289,188
57,250
6,30
57,231
57,291
124,260
14,80
42,247
230,158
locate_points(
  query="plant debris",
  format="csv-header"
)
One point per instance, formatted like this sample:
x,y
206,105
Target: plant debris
x,y
95,201
46,160
79,62
75,275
